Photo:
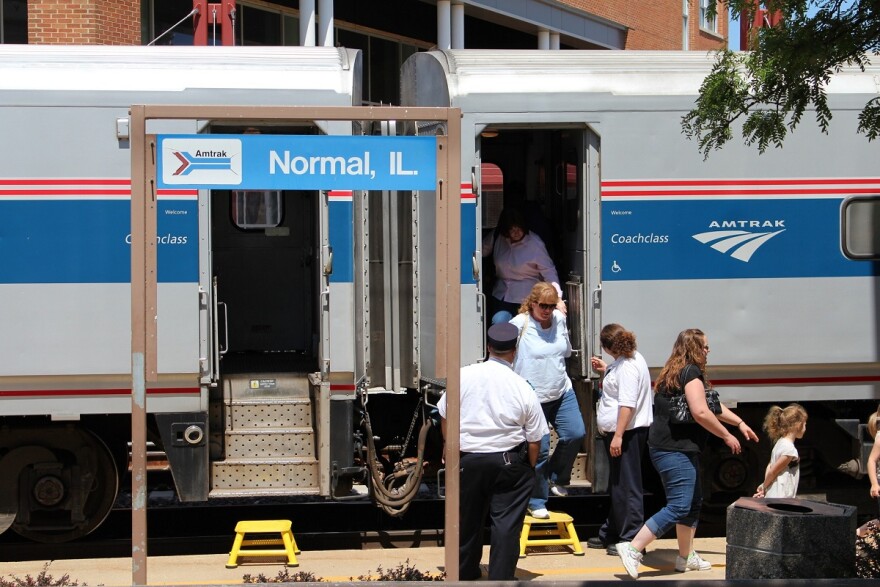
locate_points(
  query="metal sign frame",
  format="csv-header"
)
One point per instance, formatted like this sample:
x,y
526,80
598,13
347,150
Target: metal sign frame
x,y
144,308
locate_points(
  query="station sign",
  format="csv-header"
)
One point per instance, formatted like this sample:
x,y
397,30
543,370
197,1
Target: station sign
x,y
297,162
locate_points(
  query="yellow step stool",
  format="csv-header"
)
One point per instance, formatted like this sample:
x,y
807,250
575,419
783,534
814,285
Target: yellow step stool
x,y
562,533
281,527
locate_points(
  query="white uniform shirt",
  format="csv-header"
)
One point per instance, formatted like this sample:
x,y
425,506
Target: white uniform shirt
x,y
519,266
627,382
499,409
787,483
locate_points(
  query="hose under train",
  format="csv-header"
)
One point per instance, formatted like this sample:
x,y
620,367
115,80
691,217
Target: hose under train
x,y
393,492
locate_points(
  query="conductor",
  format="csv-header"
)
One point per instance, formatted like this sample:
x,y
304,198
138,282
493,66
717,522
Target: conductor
x,y
501,427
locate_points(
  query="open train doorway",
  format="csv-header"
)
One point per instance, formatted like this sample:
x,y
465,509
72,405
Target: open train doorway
x,y
549,175
264,266
264,262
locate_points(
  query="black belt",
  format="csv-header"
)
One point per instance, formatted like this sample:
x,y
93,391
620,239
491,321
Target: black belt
x,y
519,448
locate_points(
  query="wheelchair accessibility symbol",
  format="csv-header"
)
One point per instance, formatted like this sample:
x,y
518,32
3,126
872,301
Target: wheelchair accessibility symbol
x,y
615,268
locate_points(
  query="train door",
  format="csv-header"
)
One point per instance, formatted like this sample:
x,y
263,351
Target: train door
x,y
551,175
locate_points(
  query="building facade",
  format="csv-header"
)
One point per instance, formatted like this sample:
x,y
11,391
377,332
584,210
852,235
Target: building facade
x,y
387,31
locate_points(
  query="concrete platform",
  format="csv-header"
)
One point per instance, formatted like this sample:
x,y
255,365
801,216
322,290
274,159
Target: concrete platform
x,y
541,564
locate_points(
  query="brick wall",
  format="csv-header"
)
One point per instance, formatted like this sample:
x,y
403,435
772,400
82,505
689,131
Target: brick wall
x,y
656,24
85,22
652,24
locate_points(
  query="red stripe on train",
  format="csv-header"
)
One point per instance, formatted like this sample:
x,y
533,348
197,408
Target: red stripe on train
x,y
798,380
98,392
699,182
735,192
70,181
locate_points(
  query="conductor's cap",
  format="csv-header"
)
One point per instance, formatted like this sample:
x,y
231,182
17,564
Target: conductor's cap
x,y
502,336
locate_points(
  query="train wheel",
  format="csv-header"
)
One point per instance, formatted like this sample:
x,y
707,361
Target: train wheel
x,y
61,483
726,478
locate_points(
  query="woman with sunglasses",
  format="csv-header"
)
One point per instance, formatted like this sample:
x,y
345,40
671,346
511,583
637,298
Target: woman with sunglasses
x,y
543,346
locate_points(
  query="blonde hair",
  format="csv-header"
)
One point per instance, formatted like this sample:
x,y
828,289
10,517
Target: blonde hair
x,y
540,291
780,421
872,422
688,349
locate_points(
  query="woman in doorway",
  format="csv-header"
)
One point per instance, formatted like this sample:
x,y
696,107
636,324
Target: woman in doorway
x,y
521,261
543,347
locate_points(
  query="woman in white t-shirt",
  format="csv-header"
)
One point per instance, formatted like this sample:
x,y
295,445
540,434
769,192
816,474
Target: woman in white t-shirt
x,y
784,426
541,351
623,415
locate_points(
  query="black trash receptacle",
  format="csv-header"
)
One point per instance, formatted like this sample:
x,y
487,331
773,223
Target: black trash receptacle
x,y
780,538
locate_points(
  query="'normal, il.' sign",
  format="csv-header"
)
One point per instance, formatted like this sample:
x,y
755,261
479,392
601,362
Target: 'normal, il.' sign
x,y
297,162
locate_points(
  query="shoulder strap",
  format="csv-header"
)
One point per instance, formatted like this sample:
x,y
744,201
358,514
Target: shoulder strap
x,y
523,331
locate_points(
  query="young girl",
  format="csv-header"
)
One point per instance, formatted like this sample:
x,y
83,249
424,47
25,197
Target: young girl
x,y
873,460
783,426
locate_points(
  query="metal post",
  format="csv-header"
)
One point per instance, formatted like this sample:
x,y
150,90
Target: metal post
x,y
325,23
448,208
143,329
444,36
543,39
307,23
457,24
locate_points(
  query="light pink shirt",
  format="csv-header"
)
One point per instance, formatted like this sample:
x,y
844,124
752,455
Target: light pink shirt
x,y
519,266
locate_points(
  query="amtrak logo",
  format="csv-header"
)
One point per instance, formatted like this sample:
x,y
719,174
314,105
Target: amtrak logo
x,y
188,161
739,244
202,160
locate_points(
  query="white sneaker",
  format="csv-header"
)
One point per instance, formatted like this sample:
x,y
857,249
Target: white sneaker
x,y
540,513
559,490
631,558
692,563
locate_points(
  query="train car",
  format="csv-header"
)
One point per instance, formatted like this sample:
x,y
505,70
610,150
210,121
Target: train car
x,y
765,253
257,378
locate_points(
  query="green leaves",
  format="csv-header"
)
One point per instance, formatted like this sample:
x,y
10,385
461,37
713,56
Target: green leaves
x,y
769,90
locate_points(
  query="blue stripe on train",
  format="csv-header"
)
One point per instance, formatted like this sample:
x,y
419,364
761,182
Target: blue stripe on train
x,y
87,241
341,238
724,239
468,241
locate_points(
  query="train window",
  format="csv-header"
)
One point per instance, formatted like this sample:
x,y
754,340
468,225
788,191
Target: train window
x,y
492,193
571,186
256,209
860,227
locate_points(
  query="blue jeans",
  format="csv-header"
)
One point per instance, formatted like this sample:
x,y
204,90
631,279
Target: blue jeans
x,y
680,474
501,316
565,415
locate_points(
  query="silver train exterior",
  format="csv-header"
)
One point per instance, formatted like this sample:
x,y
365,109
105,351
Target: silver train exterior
x,y
753,249
256,377
296,329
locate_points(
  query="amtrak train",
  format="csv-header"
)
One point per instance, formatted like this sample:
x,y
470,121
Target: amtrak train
x,y
296,328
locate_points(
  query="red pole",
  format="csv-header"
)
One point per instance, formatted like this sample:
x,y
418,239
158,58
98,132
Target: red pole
x,y
228,15
209,14
200,22
748,29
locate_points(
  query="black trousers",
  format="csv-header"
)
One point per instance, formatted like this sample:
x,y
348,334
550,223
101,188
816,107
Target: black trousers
x,y
497,484
627,512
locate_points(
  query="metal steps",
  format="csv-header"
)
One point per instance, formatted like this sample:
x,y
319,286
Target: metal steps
x,y
268,440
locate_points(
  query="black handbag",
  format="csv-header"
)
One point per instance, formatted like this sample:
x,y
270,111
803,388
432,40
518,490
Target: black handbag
x,y
679,413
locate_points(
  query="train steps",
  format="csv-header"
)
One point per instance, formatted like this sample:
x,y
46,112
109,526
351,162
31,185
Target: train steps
x,y
265,426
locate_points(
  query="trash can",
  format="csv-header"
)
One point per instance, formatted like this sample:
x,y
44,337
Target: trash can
x,y
781,538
